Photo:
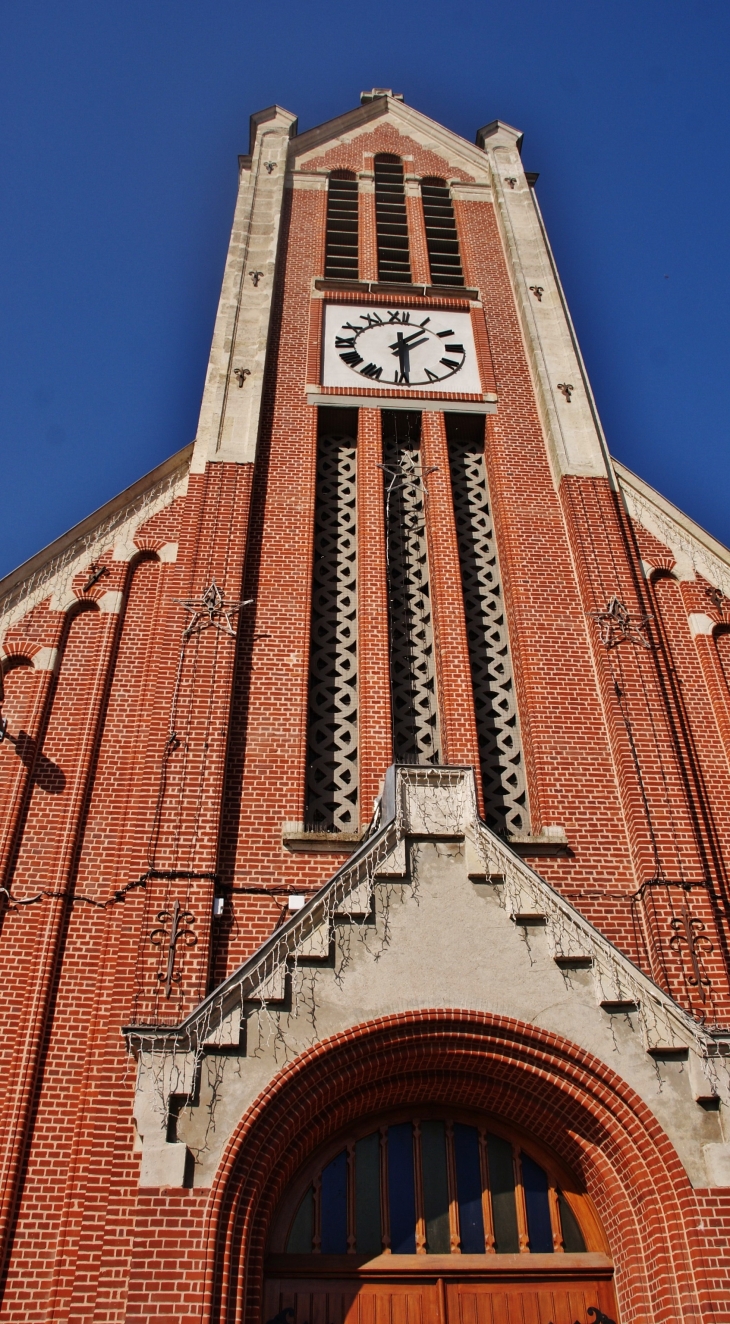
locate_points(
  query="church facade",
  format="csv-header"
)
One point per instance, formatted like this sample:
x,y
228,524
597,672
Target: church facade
x,y
365,779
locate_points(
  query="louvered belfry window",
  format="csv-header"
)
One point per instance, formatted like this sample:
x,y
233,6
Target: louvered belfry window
x,y
391,221
435,1187
441,236
341,253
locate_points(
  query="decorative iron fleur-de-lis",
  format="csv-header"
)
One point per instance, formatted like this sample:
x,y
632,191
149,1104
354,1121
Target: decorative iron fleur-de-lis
x,y
718,600
255,276
178,932
691,931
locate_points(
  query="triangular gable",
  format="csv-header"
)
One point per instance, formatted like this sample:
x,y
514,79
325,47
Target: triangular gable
x,y
386,119
433,910
694,551
50,573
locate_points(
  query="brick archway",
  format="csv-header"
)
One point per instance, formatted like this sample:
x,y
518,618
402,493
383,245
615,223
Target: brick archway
x,y
566,1097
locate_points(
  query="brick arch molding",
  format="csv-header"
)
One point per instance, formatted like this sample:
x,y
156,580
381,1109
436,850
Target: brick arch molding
x,y
566,1097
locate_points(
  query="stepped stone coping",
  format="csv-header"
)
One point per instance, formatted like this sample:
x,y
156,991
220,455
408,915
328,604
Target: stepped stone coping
x,y
420,801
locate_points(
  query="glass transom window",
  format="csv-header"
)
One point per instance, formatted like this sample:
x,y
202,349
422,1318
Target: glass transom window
x,y
433,1186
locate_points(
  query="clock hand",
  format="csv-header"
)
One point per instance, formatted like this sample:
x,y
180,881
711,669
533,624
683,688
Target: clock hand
x,y
413,345
407,339
401,348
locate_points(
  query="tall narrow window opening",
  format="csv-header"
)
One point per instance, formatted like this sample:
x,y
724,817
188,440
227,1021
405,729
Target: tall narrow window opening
x,y
500,750
332,752
391,220
341,252
441,236
412,667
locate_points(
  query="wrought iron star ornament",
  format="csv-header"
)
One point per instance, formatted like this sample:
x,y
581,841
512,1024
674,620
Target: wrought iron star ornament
x,y
211,610
616,624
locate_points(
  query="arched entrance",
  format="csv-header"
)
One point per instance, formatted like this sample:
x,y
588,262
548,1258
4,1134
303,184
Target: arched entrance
x,y
446,1216
573,1116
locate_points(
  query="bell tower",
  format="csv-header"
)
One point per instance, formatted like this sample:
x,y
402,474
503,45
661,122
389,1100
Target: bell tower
x,y
364,775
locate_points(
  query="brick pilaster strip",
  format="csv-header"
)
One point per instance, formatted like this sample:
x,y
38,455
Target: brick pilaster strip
x,y
458,724
368,230
47,860
373,649
420,266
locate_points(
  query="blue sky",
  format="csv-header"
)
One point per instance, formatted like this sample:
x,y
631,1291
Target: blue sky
x,y
119,130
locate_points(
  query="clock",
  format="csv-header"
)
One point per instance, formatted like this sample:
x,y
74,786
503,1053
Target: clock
x,y
412,349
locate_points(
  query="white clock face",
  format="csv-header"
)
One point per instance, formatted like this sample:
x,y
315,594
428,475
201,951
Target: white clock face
x,y
399,347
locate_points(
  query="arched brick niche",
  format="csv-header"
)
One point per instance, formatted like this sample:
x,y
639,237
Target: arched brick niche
x,y
568,1100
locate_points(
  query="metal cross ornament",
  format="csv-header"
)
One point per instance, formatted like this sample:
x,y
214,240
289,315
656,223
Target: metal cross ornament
x,y
178,932
211,610
690,932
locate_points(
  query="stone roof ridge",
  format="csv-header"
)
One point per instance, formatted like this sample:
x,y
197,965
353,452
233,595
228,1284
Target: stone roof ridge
x,y
694,549
54,567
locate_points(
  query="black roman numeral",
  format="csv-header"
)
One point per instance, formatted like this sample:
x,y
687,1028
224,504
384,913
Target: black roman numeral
x,y
455,349
403,318
448,363
431,375
346,342
442,334
371,370
352,358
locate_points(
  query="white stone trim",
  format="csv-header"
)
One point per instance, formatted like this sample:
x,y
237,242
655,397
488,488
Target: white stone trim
x,y
167,554
111,602
573,433
46,659
461,191
694,550
230,412
699,623
50,574
313,182
163,1165
314,397
455,151
717,1162
124,550
439,805
64,599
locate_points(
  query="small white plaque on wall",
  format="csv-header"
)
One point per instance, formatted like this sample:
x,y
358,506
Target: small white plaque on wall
x,y
412,349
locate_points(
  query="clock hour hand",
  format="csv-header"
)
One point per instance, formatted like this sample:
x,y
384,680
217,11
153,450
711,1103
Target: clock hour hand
x,y
402,349
410,344
408,340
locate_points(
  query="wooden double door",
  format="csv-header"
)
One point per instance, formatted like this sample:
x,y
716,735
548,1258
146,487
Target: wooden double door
x,y
506,1291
